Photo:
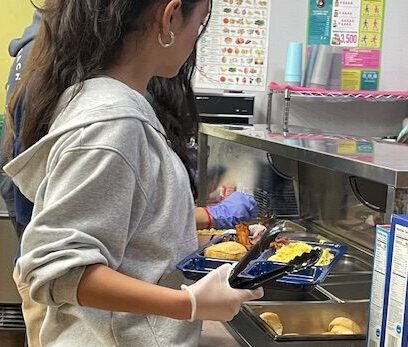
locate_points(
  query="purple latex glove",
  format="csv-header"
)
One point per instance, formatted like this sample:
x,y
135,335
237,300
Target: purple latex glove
x,y
234,209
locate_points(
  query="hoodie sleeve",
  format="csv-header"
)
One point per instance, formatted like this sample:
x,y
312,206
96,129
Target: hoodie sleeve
x,y
88,201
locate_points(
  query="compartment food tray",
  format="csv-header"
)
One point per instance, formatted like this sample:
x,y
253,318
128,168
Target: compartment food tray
x,y
196,265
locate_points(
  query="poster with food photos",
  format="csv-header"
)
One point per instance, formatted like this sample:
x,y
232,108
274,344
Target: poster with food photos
x,y
232,53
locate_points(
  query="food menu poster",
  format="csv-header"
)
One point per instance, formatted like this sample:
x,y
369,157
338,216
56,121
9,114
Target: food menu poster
x,y
232,53
356,26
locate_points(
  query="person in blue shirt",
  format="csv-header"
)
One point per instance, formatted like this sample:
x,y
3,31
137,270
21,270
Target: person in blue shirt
x,y
18,206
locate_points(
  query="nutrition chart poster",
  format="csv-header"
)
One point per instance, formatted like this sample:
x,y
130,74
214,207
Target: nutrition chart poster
x,y
232,54
356,27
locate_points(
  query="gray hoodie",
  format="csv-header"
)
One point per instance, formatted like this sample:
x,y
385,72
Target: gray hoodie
x,y
107,189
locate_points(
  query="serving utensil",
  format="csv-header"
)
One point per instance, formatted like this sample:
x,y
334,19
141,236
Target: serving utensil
x,y
299,263
268,236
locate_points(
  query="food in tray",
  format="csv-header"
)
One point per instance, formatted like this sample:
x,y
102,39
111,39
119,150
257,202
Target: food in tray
x,y
340,330
293,249
242,230
229,250
338,326
279,242
273,320
211,231
248,235
343,325
326,258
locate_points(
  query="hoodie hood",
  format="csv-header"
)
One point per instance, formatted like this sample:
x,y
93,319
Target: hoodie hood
x,y
101,99
20,49
28,35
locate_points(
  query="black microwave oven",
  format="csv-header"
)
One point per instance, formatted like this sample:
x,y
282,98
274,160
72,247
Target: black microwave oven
x,y
225,108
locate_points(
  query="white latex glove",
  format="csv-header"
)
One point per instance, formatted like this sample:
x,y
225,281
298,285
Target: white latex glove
x,y
212,298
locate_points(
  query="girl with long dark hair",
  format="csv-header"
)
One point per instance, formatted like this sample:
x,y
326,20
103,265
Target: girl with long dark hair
x,y
112,210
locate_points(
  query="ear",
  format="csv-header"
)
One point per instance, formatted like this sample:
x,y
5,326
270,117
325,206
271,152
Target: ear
x,y
171,11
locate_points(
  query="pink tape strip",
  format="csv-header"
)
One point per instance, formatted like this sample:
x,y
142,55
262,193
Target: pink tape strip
x,y
366,93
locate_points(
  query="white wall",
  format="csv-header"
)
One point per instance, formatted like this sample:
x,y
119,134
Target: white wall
x,y
395,46
289,23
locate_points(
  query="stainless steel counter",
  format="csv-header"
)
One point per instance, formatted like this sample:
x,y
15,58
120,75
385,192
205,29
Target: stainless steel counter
x,y
342,187
345,292
376,160
251,334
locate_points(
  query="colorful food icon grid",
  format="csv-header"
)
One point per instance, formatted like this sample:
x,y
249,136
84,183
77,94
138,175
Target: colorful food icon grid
x,y
233,51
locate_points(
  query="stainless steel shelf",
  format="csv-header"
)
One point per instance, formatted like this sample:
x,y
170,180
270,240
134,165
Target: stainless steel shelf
x,y
327,95
344,96
376,160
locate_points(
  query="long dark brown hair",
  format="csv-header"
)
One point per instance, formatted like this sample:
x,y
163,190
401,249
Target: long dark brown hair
x,y
77,40
174,103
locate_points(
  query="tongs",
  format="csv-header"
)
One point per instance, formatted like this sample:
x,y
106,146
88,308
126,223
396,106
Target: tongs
x,y
299,263
272,231
268,236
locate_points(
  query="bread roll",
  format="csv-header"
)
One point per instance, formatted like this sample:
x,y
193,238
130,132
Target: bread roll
x,y
229,250
346,323
340,330
272,319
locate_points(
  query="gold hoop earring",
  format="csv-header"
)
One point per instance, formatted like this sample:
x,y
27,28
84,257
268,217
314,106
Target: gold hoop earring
x,y
167,45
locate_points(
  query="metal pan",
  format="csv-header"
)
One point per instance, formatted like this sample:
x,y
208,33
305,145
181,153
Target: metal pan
x,y
309,319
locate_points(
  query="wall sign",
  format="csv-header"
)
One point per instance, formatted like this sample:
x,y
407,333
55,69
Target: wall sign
x,y
356,26
320,12
345,23
371,24
232,54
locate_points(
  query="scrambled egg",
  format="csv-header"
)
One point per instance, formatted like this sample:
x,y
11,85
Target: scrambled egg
x,y
293,249
211,231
